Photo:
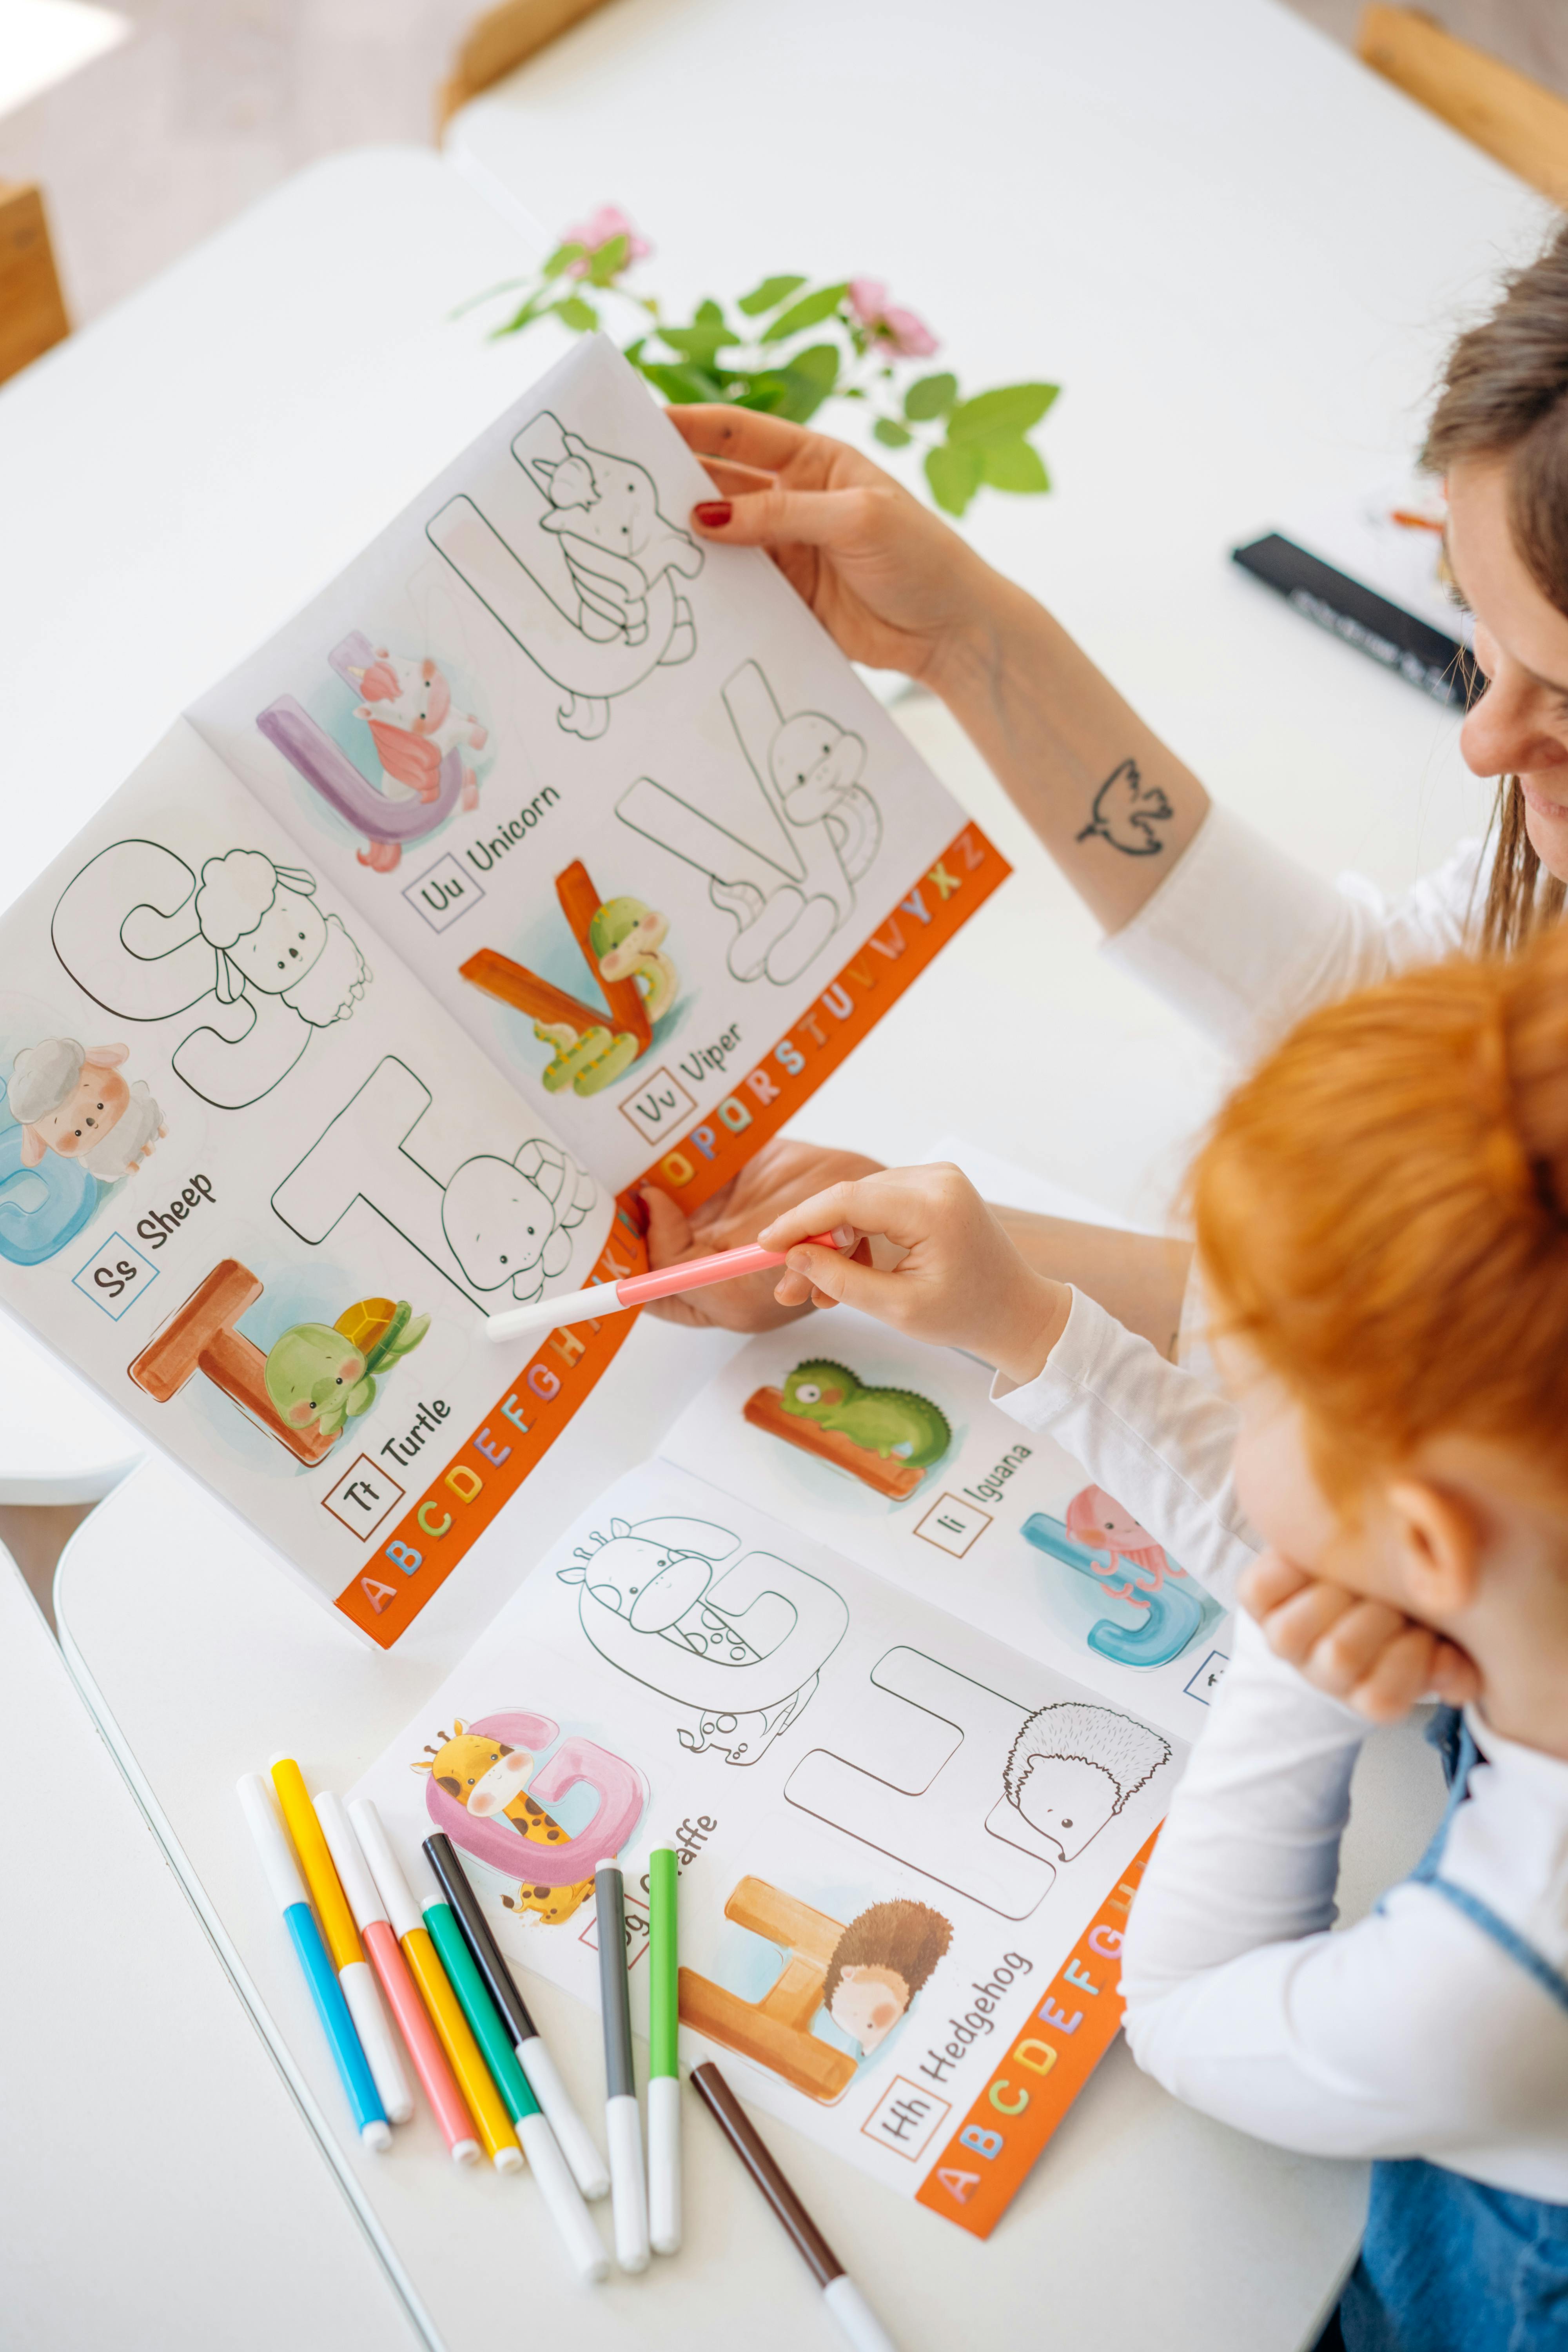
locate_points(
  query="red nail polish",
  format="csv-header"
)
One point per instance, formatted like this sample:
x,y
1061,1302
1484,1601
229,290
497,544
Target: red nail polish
x,y
714,513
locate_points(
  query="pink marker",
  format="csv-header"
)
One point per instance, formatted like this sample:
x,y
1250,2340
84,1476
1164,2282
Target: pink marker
x,y
638,1289
386,1958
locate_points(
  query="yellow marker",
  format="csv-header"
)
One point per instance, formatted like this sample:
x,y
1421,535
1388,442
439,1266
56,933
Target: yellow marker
x,y
473,2079
342,1939
326,1888
485,2102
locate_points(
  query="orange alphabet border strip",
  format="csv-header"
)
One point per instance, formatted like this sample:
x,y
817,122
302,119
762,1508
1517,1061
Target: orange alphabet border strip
x,y
432,1537
975,2176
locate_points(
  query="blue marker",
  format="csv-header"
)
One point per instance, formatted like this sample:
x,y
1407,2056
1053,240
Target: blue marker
x,y
288,1890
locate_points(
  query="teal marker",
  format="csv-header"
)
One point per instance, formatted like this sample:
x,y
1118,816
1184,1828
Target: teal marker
x,y
560,2192
664,2069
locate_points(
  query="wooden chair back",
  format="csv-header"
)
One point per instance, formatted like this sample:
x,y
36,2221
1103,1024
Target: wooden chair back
x,y
1524,126
32,308
500,41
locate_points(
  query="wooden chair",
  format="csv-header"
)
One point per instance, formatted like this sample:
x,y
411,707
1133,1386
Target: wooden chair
x,y
500,41
776,2031
32,308
1524,126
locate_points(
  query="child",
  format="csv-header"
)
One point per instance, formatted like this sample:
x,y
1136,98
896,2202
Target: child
x,y
1381,1218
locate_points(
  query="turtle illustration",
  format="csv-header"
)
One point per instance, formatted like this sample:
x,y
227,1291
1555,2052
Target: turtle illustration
x,y
322,1375
885,1421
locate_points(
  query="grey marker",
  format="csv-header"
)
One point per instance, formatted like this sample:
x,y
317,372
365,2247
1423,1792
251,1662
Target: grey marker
x,y
628,2182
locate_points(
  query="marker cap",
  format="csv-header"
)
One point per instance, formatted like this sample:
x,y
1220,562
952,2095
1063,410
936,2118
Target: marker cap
x,y
349,1862
277,1855
391,1881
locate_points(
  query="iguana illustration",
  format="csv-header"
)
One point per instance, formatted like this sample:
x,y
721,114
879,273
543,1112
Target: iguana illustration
x,y
884,1421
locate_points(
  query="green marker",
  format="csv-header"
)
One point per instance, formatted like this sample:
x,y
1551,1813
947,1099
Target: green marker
x,y
664,2069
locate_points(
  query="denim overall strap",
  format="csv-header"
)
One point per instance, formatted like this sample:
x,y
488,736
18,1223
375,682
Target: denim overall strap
x,y
1448,2265
1428,1869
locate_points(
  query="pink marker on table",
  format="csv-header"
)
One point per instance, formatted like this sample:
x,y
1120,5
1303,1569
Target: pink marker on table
x,y
638,1289
386,1957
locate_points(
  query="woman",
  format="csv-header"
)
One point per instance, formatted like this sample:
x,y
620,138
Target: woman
x,y
1225,927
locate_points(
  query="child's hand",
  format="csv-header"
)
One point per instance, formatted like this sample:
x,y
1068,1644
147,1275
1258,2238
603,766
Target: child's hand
x,y
961,1283
1361,1651
781,1173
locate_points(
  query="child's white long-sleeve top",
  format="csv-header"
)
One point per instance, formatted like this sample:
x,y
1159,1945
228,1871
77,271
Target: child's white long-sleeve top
x,y
1416,2033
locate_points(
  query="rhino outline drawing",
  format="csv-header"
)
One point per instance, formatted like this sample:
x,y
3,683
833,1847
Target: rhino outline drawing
x,y
740,1653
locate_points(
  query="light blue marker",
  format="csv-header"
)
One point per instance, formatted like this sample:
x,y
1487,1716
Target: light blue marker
x,y
288,1890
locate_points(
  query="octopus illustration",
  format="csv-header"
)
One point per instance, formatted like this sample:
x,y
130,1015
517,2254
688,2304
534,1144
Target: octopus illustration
x,y
1099,1539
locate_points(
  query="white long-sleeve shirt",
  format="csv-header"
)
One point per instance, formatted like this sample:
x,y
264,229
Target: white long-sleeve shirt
x,y
1414,2032
1243,940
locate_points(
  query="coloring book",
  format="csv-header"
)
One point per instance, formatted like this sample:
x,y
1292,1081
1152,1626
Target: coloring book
x,y
909,1698
546,851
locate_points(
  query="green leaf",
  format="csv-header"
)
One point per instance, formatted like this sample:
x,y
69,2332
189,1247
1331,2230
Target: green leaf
x,y
890,435
708,314
700,342
633,351
934,395
605,266
818,362
768,295
563,257
1013,466
1001,416
574,312
521,319
809,311
681,384
953,474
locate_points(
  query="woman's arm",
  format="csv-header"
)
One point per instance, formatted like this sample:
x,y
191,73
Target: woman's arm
x,y
901,590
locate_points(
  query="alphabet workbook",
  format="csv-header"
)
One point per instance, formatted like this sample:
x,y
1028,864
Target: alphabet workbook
x,y
547,850
909,1698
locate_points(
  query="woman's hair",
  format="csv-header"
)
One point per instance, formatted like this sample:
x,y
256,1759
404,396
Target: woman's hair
x,y
1381,1213
1505,395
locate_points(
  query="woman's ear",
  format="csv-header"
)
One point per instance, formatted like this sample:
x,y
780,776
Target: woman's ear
x,y
1438,1546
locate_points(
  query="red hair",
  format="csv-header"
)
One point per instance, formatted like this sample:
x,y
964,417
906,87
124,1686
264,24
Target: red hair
x,y
1381,1212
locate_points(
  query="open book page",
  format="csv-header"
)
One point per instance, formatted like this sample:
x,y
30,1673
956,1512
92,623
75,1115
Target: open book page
x,y
894,1454
612,794
905,1848
262,1189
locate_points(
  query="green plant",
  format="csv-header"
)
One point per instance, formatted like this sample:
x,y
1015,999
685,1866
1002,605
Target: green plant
x,y
789,347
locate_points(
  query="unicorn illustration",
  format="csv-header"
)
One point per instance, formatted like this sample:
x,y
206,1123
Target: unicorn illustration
x,y
407,707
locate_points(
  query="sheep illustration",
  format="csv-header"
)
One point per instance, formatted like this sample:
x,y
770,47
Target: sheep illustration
x,y
70,1098
270,935
1073,1766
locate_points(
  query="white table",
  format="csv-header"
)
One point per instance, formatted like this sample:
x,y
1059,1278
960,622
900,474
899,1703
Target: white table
x,y
155,2186
60,1442
250,420
1239,252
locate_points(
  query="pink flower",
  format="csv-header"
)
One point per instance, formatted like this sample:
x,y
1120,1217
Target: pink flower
x,y
908,335
600,229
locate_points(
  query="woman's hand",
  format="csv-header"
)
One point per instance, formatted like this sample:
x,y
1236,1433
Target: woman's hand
x,y
889,581
781,1174
1361,1651
960,1284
